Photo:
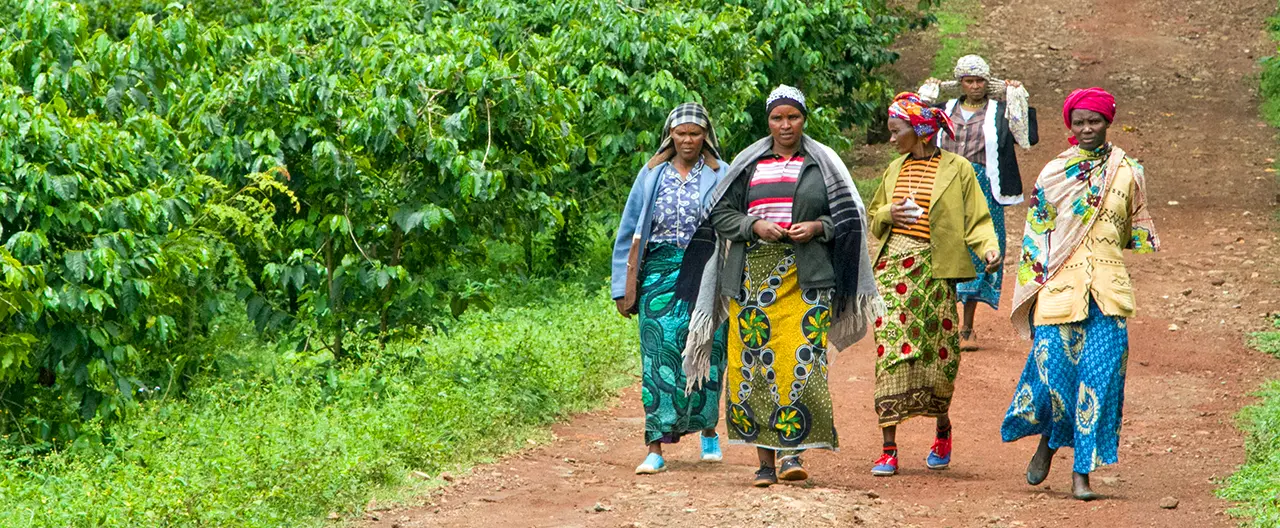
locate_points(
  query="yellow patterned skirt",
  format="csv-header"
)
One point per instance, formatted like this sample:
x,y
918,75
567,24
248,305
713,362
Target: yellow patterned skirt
x,y
777,369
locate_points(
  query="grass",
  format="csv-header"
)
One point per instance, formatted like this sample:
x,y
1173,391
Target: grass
x,y
1256,485
280,440
1267,342
954,20
1269,85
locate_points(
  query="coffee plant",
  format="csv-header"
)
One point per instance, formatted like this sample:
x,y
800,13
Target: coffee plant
x,y
346,171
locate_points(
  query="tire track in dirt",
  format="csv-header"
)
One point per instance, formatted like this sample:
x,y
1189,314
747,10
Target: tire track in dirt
x,y
1184,72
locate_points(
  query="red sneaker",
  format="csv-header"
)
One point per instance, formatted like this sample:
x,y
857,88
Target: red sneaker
x,y
886,465
940,454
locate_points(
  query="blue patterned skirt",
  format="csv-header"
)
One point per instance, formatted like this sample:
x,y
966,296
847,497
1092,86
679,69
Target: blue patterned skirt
x,y
986,286
1072,389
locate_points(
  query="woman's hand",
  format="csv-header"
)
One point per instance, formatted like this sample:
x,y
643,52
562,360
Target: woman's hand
x,y
901,214
993,261
1014,84
768,231
622,307
933,80
804,231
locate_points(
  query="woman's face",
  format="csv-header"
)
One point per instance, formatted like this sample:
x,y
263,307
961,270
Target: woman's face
x,y
1089,127
975,88
786,125
688,139
903,136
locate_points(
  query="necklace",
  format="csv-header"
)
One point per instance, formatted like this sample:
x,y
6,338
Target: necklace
x,y
915,184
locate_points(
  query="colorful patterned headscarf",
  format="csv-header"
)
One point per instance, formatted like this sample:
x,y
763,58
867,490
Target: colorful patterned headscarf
x,y
1094,99
924,119
972,66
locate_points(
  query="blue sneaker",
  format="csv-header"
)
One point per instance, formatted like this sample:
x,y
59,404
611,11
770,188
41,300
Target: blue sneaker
x,y
939,455
653,464
885,466
711,449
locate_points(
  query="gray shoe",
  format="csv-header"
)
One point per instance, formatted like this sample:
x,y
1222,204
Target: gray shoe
x,y
792,469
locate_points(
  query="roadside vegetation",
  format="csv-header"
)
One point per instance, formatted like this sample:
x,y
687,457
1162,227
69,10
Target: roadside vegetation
x,y
1256,485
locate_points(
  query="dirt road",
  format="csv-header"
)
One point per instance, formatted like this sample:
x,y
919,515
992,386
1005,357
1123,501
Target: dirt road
x,y
1184,72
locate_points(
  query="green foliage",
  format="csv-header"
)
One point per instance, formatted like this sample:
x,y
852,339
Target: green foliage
x,y
346,171
1269,85
1255,485
1270,79
1268,342
280,440
115,246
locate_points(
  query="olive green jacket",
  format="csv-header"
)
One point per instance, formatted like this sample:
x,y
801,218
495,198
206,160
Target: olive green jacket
x,y
958,217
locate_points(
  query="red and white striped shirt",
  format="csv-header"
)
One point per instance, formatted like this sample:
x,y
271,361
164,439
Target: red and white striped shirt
x,y
773,187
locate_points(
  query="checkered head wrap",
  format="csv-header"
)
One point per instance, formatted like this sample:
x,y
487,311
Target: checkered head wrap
x,y
690,113
972,66
786,95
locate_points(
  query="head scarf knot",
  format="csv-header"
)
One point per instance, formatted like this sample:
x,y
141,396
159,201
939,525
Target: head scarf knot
x,y
1094,99
690,113
786,95
972,66
924,119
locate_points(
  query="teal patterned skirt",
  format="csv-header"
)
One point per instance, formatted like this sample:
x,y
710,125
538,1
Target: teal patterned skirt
x,y
664,325
986,286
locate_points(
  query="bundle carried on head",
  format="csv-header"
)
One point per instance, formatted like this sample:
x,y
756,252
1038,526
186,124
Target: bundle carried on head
x,y
1015,97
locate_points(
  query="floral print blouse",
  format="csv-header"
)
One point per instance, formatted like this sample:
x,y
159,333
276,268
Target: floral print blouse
x,y
678,207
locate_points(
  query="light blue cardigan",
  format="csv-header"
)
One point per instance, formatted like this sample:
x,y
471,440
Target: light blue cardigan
x,y
637,216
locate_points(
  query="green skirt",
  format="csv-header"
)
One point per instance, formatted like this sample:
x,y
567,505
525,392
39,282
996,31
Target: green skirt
x,y
668,412
917,340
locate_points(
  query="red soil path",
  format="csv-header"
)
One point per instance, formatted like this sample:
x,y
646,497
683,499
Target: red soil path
x,y
1184,72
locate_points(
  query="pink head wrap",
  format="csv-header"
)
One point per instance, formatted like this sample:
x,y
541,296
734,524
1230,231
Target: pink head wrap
x,y
1094,99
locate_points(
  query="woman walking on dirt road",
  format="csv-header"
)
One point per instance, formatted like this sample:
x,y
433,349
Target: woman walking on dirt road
x,y
796,279
1074,295
986,132
928,214
670,198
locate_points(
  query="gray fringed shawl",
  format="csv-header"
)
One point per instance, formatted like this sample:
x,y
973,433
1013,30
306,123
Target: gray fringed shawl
x,y
853,310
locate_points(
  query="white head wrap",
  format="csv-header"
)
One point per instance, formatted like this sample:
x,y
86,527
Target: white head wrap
x,y
785,94
972,66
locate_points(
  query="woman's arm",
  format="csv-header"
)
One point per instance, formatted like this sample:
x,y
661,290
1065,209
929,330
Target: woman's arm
x,y
627,229
881,217
1142,238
